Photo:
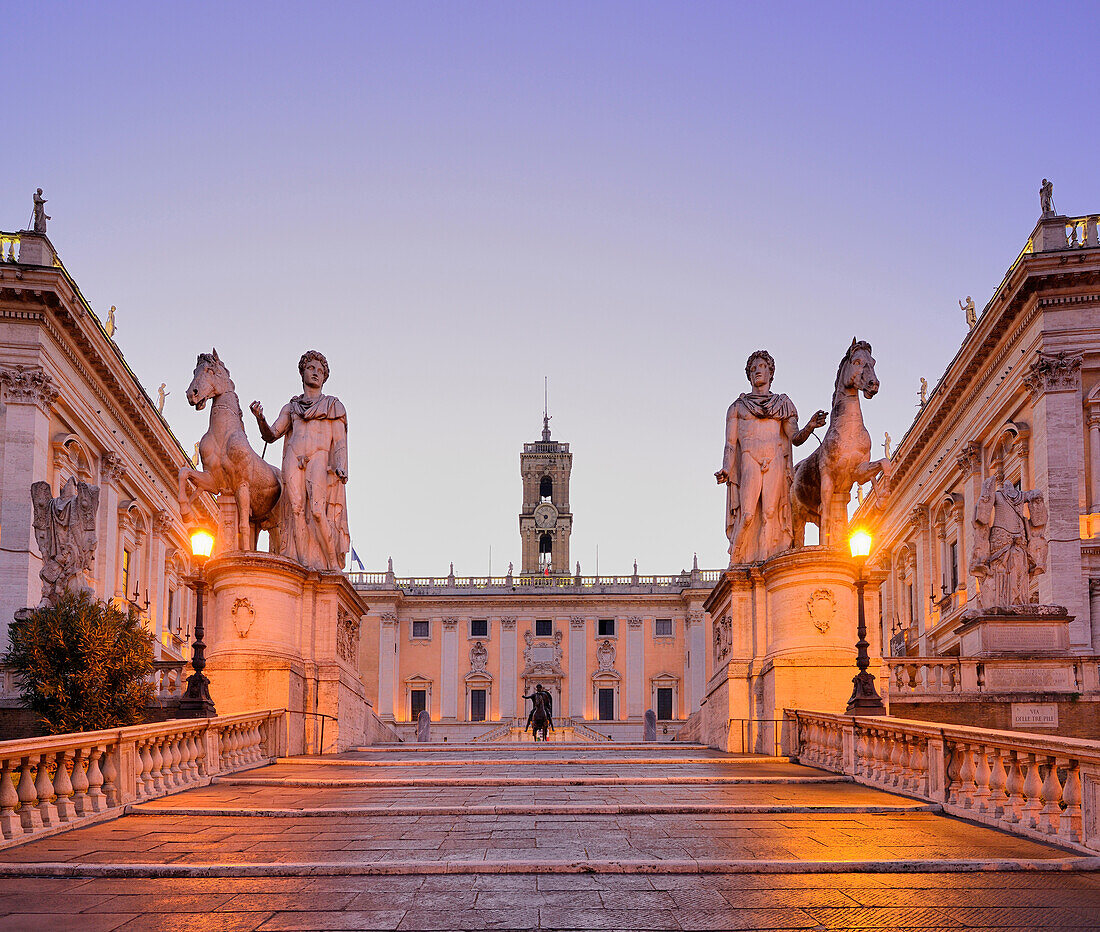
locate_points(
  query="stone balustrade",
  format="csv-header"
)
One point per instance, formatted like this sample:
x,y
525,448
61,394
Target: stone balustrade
x,y
58,782
420,585
9,247
1044,788
1081,232
169,678
908,678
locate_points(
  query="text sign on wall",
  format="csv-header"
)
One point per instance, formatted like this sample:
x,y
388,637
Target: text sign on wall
x,y
1034,715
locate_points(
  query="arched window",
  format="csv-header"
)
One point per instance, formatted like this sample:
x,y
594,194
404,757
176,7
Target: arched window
x,y
546,489
546,546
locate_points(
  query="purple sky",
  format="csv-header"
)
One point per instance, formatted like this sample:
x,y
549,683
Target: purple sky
x,y
453,200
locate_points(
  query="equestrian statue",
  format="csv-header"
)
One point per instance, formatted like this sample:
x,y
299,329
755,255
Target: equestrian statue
x,y
541,718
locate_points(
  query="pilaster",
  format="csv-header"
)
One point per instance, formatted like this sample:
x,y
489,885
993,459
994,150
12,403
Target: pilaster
x,y
1055,385
635,652
695,661
387,667
508,685
448,674
578,666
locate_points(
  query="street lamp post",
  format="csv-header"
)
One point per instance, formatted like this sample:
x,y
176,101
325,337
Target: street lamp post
x,y
196,702
865,698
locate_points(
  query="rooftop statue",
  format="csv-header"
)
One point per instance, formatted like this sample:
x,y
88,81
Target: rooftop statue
x,y
109,325
923,391
970,312
40,215
886,444
1046,198
161,395
315,469
758,465
1009,545
229,464
823,481
64,528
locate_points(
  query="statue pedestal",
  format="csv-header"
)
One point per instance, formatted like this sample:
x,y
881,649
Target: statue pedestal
x,y
783,636
280,636
1030,629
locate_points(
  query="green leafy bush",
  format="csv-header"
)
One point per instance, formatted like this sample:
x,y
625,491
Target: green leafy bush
x,y
82,665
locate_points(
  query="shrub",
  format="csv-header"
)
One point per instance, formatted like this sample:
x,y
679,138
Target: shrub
x,y
82,664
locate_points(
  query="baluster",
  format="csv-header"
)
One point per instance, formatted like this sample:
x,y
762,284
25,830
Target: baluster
x,y
29,813
145,777
156,770
9,799
1069,827
176,771
1014,788
112,790
981,779
861,753
1051,812
909,764
96,800
920,768
252,742
187,759
238,746
43,787
998,781
1033,788
63,787
897,763
80,782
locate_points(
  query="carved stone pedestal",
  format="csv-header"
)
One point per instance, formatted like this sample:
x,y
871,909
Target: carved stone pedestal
x,y
1029,629
783,636
281,636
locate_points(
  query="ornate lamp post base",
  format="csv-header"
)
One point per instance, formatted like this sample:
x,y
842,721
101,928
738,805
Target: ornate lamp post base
x,y
865,699
196,702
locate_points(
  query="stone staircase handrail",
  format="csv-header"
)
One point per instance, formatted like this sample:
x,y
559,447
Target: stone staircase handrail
x,y
1039,786
54,783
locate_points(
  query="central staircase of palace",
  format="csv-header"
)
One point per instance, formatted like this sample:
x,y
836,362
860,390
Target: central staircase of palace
x,y
560,835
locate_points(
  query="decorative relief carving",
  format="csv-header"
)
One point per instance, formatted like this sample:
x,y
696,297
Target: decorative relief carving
x,y
450,623
479,658
696,617
634,621
723,639
1054,373
111,467
347,637
64,529
542,657
970,458
918,518
605,656
389,619
28,385
162,521
243,615
507,622
576,622
822,608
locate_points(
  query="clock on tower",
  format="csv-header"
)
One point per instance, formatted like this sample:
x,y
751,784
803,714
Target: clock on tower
x,y
545,521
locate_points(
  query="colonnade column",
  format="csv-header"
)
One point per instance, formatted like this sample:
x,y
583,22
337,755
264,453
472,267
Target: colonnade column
x,y
448,674
507,667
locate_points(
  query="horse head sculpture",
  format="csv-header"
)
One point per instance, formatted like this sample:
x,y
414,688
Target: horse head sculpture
x,y
211,379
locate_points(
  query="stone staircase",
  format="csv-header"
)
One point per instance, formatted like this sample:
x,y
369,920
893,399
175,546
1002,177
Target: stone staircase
x,y
562,836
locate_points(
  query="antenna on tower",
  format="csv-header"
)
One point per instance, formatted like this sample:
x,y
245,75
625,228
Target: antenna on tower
x,y
545,408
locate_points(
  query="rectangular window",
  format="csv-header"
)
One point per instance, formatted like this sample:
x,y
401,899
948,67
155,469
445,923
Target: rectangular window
x,y
662,627
605,627
477,705
479,627
954,565
419,702
664,703
170,613
912,605
544,628
125,572
422,629
607,705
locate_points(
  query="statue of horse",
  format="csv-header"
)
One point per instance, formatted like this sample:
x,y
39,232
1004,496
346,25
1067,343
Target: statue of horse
x,y
230,465
540,722
843,458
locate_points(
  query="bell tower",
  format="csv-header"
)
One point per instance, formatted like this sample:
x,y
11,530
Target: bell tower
x,y
545,521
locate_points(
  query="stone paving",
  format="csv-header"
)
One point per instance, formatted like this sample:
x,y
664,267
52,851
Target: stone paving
x,y
639,838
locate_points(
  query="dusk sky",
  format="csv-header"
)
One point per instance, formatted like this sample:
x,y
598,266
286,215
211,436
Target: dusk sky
x,y
454,200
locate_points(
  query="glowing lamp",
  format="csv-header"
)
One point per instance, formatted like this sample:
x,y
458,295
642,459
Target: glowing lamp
x,y
860,544
202,543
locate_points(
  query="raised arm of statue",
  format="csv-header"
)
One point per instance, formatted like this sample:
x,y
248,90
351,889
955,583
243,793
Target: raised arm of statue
x,y
268,432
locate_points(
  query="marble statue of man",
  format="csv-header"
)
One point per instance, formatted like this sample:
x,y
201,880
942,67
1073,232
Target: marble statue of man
x,y
1046,198
315,469
40,215
970,311
1009,545
757,465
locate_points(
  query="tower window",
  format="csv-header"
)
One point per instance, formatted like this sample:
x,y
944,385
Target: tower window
x,y
546,548
546,489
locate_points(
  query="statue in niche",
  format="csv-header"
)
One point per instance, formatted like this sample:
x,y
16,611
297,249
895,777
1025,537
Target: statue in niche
x,y
1009,544
315,469
1046,197
758,465
971,313
64,528
40,215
